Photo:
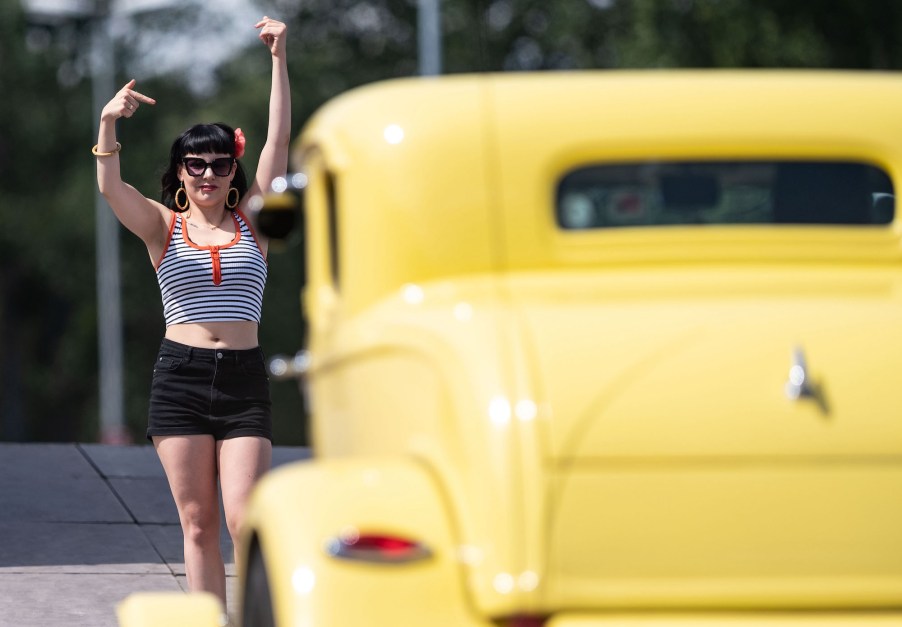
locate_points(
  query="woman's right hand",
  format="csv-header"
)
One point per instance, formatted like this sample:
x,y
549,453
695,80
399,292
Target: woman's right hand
x,y
125,103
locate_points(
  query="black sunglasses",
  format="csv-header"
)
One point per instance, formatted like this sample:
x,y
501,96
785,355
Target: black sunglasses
x,y
197,166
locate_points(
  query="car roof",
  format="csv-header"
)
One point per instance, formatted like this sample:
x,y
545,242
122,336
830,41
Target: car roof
x,y
660,106
456,174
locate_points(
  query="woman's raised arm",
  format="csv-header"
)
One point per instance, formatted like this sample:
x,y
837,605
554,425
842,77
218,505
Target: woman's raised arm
x,y
138,214
274,156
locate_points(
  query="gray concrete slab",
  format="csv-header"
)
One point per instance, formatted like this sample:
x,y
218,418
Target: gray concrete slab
x,y
54,483
24,462
288,454
58,499
167,541
78,548
83,599
84,526
231,588
147,499
124,461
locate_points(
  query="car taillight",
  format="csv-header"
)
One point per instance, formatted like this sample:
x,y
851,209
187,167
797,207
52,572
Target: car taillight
x,y
524,620
376,547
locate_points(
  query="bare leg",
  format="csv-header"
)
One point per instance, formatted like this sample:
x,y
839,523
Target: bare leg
x,y
242,461
190,465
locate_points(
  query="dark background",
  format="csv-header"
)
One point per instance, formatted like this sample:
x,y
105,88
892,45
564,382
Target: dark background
x,y
48,328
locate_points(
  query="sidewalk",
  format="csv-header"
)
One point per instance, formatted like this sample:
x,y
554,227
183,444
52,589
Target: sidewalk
x,y
84,525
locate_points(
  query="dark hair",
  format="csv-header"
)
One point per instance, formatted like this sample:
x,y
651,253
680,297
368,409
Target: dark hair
x,y
200,138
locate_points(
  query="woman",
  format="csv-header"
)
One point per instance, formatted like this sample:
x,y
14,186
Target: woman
x,y
209,413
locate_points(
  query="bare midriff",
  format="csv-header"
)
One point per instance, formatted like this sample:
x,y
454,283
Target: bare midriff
x,y
234,335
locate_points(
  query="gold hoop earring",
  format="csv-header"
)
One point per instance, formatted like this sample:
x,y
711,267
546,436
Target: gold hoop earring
x,y
232,205
181,205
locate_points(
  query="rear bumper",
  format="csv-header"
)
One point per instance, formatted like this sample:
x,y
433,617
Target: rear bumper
x,y
737,619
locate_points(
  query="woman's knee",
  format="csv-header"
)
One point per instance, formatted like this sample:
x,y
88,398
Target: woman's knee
x,y
234,520
200,524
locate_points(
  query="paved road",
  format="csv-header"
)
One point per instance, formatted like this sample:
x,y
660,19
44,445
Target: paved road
x,y
84,525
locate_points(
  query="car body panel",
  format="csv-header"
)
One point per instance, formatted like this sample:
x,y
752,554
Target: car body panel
x,y
431,362
300,509
682,473
522,372
440,221
700,357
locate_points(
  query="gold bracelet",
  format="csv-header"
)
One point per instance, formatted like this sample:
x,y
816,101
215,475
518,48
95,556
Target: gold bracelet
x,y
95,152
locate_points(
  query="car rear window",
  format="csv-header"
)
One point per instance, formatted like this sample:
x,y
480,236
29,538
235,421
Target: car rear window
x,y
724,192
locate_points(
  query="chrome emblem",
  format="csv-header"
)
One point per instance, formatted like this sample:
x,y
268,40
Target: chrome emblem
x,y
798,385
801,386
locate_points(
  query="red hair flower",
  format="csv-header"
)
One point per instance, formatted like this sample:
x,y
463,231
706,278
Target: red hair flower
x,y
239,143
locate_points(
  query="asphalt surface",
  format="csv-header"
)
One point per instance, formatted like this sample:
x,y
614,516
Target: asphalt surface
x,y
82,526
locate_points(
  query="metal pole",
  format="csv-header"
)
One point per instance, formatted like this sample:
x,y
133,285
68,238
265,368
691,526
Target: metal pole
x,y
109,312
429,28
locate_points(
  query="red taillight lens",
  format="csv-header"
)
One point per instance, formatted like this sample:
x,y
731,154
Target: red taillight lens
x,y
386,544
524,620
375,547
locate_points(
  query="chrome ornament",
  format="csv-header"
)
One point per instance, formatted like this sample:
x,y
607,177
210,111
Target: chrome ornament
x,y
801,386
798,385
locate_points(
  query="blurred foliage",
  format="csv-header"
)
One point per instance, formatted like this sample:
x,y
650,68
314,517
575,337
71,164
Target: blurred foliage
x,y
48,363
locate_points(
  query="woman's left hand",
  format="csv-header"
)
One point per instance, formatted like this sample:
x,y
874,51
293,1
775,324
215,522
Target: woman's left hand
x,y
272,33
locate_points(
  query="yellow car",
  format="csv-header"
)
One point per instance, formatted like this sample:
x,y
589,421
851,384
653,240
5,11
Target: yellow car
x,y
594,349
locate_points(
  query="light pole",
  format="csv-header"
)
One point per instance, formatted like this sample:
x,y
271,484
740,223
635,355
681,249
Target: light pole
x,y
109,310
429,29
109,299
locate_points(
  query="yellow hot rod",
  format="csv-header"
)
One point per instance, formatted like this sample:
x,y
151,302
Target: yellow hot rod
x,y
592,349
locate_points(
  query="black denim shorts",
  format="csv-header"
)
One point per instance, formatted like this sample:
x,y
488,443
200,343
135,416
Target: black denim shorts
x,y
199,391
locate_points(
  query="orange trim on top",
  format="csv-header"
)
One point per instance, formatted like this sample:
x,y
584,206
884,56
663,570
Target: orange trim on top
x,y
250,227
168,240
217,265
234,241
214,249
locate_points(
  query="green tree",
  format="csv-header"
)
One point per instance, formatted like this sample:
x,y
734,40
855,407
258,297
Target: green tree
x,y
48,358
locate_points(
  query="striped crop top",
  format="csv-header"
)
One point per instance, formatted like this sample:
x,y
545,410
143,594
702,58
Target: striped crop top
x,y
211,283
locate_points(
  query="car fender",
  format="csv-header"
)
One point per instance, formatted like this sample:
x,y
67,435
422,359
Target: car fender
x,y
299,511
